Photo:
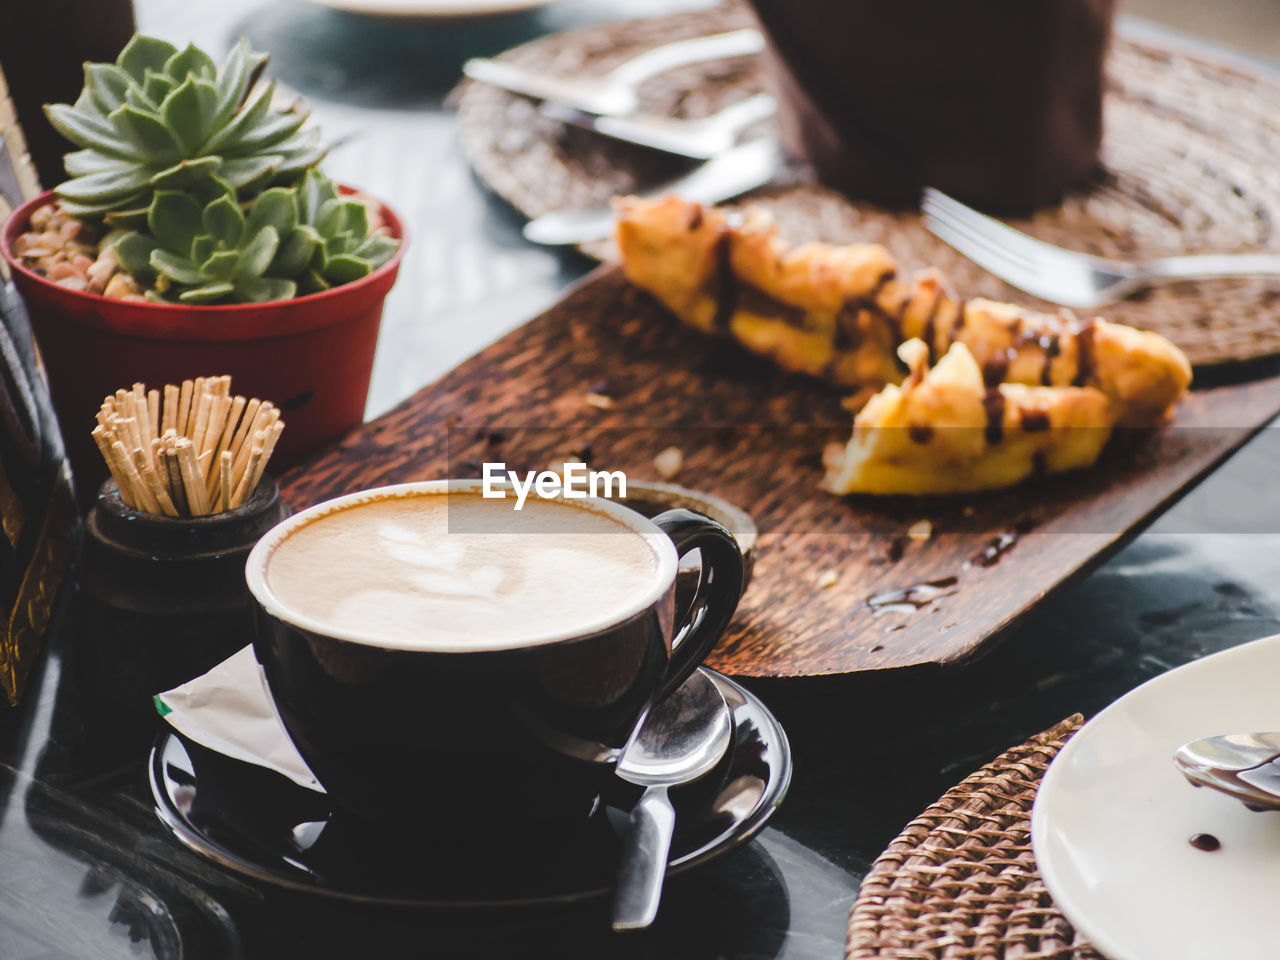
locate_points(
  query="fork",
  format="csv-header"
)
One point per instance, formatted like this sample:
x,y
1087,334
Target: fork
x,y
700,139
1068,277
614,93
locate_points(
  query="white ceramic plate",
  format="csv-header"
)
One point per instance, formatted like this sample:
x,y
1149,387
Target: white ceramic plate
x,y
432,9
1112,822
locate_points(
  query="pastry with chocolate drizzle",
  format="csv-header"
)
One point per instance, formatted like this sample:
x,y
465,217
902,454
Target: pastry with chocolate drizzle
x,y
945,431
841,312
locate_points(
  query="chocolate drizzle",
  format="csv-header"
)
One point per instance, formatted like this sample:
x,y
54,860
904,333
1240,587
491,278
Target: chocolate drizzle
x,y
754,300
929,333
912,598
1206,842
868,301
726,284
1052,346
993,404
1084,354
1033,421
997,368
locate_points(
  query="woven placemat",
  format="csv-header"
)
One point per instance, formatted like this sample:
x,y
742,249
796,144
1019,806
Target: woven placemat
x,y
1188,166
960,882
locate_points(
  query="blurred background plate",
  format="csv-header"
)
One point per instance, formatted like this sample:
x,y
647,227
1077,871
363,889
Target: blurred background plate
x,y
432,9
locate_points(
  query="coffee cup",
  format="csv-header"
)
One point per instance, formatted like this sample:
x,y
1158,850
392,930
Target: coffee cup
x,y
435,654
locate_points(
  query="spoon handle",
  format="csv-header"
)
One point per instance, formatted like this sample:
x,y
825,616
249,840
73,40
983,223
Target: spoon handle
x,y
645,848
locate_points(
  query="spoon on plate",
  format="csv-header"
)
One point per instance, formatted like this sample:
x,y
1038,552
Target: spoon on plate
x,y
682,739
1241,765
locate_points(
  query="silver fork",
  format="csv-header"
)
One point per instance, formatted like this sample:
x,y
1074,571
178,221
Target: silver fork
x,y
614,93
700,139
1065,276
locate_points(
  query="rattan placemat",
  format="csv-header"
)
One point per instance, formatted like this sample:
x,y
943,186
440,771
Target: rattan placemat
x,y
1188,166
960,882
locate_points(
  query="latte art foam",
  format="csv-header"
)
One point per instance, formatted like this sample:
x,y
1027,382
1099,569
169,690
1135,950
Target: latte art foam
x,y
456,571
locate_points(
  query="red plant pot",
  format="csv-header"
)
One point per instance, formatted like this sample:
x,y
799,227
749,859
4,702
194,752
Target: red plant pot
x,y
311,356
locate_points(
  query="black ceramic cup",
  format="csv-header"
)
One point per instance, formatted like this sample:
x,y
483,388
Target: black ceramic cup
x,y
162,600
437,735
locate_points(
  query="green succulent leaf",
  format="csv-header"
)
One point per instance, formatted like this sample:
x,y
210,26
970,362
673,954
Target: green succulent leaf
x,y
377,249
345,268
175,221
265,289
244,120
155,90
210,188
244,172
142,54
312,282
295,253
191,62
106,85
258,253
148,135
238,76
185,174
316,189
270,130
207,293
89,131
81,163
106,184
91,211
224,222
353,218
188,113
176,268
134,250
275,208
85,104
134,218
202,248
329,218
135,97
220,265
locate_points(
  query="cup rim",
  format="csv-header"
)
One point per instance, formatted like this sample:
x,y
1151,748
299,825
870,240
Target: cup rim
x,y
256,566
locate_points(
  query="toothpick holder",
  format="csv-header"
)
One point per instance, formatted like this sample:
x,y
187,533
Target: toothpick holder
x,y
163,600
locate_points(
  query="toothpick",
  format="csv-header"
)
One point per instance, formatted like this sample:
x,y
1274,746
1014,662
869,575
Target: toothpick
x,y
197,393
191,482
170,419
142,494
153,412
225,461
184,406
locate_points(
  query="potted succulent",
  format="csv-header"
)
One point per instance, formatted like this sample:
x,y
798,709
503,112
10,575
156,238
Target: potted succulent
x,y
197,236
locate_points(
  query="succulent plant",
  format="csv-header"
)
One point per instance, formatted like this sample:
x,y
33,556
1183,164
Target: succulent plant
x,y
203,247
162,119
345,248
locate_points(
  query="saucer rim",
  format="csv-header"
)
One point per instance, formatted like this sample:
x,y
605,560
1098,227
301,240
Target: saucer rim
x,y
733,837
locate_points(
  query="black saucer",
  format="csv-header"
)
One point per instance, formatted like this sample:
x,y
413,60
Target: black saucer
x,y
259,823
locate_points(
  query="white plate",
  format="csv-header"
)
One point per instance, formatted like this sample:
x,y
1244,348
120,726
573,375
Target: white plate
x,y
432,9
1112,822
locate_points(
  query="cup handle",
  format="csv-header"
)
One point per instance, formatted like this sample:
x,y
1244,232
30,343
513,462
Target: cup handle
x,y
717,596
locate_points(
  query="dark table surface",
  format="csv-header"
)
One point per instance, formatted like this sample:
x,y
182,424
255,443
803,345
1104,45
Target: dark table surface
x,y
86,870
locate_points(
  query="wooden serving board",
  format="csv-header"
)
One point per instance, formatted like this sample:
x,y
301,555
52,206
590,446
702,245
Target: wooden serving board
x,y
755,436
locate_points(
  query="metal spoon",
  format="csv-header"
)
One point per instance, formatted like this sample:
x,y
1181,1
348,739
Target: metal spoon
x,y
1241,765
681,739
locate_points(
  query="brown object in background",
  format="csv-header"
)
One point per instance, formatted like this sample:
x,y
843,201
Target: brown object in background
x,y
43,47
998,103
